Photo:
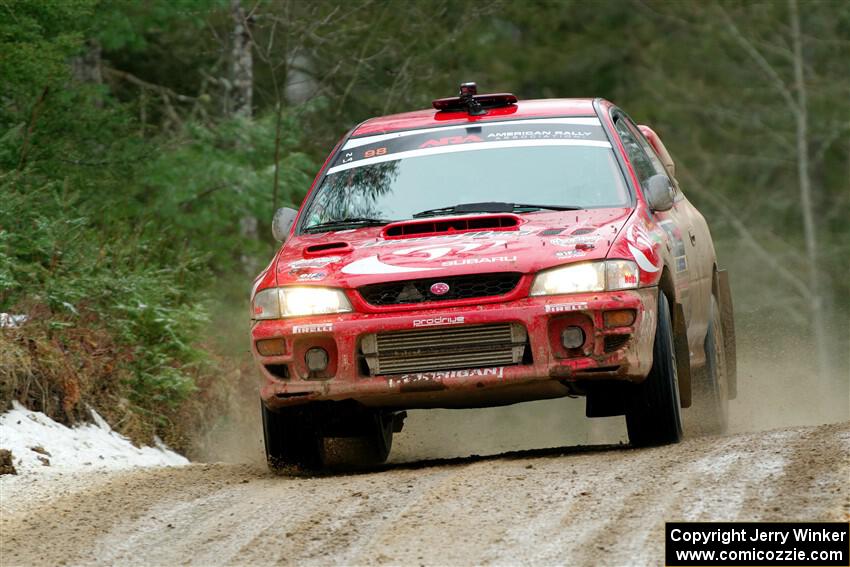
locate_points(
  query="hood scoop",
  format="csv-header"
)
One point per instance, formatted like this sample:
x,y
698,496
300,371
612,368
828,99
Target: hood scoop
x,y
442,226
327,249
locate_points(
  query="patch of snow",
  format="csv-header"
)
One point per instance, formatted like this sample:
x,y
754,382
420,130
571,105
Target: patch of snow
x,y
8,320
70,307
92,446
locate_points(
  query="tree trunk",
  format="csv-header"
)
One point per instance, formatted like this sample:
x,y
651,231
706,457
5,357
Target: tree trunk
x,y
86,67
806,204
239,104
241,64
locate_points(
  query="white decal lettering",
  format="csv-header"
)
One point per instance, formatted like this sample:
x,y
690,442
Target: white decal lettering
x,y
562,307
434,321
317,328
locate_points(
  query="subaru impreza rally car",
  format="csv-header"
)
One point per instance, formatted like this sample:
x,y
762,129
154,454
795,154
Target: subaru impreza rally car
x,y
484,252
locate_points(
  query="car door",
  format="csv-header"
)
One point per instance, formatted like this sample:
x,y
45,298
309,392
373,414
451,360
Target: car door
x,y
701,265
676,222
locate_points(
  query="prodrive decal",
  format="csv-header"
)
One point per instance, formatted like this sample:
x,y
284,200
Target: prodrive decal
x,y
435,321
481,136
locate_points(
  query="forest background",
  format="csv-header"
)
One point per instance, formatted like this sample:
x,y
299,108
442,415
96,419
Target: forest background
x,y
145,145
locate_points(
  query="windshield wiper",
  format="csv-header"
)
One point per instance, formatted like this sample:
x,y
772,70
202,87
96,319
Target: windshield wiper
x,y
547,207
351,222
495,207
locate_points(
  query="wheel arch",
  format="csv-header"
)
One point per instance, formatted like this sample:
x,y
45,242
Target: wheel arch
x,y
680,336
722,290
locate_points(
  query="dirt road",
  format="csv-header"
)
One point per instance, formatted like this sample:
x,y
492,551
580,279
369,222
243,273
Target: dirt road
x,y
576,506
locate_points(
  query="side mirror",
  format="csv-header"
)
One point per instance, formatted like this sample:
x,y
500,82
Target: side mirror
x,y
659,192
282,223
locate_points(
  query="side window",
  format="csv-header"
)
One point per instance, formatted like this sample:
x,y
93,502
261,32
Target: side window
x,y
641,154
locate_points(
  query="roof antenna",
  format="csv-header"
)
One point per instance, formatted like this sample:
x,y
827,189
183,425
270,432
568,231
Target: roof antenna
x,y
467,97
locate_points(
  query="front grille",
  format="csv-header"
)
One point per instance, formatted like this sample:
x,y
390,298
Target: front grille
x,y
278,371
460,287
614,342
444,348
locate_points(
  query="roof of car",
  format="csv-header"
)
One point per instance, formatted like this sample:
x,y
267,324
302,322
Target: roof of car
x,y
431,117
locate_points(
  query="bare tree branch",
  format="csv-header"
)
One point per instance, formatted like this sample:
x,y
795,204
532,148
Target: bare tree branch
x,y
165,91
760,61
745,234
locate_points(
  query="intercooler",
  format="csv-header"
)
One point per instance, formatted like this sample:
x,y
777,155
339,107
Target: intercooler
x,y
444,348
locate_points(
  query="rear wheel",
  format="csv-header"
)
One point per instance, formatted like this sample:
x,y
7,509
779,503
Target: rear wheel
x,y
291,439
710,409
653,414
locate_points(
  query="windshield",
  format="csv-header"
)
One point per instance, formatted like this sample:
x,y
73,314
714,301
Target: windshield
x,y
552,162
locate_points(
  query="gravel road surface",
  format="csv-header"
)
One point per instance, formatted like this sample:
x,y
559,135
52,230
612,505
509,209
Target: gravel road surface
x,y
570,505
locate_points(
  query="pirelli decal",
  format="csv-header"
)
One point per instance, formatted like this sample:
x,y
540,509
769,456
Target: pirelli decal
x,y
481,136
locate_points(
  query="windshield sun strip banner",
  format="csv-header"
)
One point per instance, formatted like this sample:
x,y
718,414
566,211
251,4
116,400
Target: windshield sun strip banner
x,y
576,121
517,133
465,148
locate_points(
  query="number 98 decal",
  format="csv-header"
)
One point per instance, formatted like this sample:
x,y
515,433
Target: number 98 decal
x,y
376,152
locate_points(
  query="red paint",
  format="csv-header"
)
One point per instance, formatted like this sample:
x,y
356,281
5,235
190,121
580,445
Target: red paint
x,y
452,246
431,117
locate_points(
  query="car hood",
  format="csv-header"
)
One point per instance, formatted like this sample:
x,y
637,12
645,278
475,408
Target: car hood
x,y
536,241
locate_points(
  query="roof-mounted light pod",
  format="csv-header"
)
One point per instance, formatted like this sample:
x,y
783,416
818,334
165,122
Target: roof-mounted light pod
x,y
467,97
473,103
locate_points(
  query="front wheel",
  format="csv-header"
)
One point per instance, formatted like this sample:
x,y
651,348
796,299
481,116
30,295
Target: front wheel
x,y
370,443
653,414
291,439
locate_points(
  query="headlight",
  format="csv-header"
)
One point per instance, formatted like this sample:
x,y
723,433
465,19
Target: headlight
x,y
575,278
299,302
586,277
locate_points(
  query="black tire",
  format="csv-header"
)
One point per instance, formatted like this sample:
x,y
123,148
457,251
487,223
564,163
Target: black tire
x,y
290,439
653,415
371,448
709,412
381,439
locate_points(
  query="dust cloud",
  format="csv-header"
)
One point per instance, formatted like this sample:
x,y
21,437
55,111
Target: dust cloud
x,y
542,424
777,387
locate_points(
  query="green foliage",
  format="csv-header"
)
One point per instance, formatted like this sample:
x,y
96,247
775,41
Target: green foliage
x,y
55,263
114,235
126,25
214,178
127,203
36,39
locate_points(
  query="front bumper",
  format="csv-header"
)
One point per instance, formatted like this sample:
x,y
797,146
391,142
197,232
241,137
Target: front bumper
x,y
548,369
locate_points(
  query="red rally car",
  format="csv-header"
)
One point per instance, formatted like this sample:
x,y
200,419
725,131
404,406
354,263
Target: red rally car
x,y
486,252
